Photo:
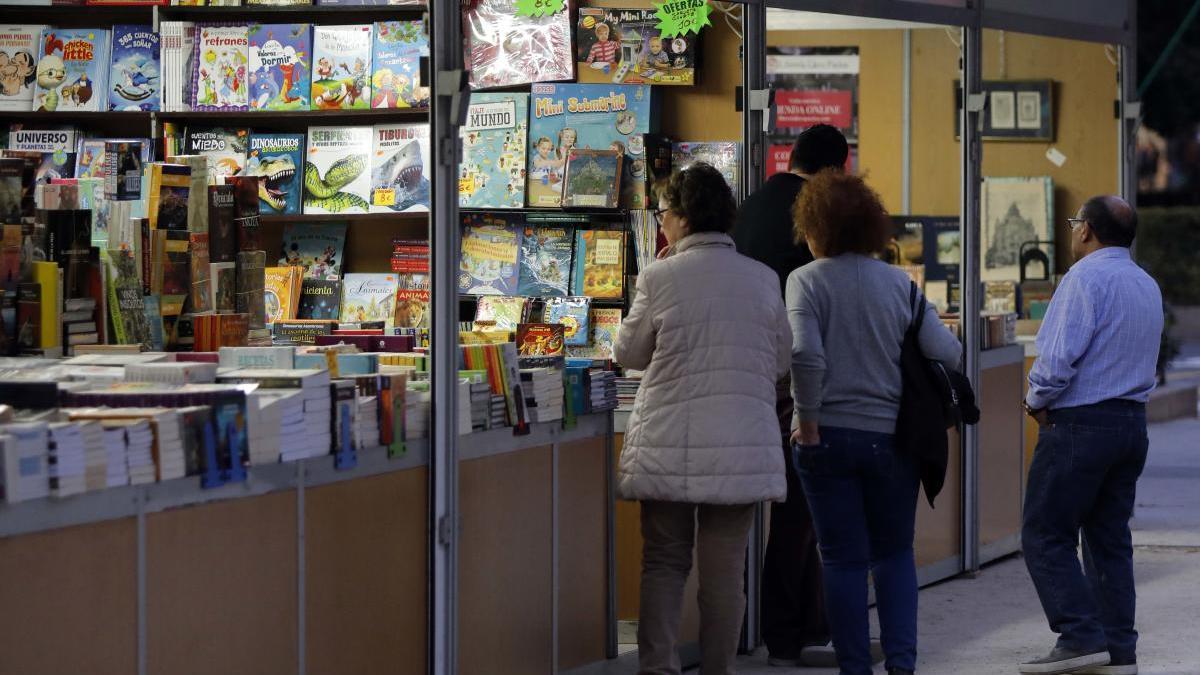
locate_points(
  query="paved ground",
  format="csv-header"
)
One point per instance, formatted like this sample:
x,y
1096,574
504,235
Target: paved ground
x,y
986,625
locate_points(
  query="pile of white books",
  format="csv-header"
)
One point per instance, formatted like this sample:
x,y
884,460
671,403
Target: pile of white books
x,y
627,389
311,390
464,414
139,450
603,390
23,472
166,447
116,468
497,411
67,460
257,357
95,461
543,388
367,422
416,411
171,372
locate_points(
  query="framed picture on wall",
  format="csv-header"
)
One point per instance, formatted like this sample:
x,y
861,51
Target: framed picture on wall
x,y
1013,212
1014,110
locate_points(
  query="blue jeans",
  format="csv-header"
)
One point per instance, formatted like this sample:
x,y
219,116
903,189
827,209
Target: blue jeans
x,y
863,497
1083,480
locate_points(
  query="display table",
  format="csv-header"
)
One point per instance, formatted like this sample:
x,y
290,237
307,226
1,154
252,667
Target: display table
x,y
306,569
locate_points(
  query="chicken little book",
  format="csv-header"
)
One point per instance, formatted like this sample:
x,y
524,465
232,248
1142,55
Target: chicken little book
x,y
72,73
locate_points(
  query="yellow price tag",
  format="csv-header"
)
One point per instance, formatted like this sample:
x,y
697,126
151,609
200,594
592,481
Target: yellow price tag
x,y
385,197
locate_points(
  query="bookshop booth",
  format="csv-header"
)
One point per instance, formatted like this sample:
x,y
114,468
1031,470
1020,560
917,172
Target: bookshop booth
x,y
479,538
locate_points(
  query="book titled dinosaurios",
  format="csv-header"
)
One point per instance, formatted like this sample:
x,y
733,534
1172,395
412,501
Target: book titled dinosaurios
x,y
400,168
341,67
275,159
337,170
280,62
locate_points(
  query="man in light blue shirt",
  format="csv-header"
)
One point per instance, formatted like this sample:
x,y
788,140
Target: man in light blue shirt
x,y
1097,351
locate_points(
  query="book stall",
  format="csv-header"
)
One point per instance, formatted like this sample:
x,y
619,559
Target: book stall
x,y
306,351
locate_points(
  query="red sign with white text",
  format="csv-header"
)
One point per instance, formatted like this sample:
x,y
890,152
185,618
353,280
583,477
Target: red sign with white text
x,y
803,109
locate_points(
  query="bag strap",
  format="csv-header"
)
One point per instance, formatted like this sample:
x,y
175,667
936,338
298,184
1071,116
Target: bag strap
x,y
918,317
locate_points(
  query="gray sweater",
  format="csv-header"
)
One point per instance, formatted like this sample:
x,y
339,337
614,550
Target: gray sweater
x,y
848,316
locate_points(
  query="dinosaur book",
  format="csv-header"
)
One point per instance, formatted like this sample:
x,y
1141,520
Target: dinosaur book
x,y
337,175
20,47
280,62
134,81
400,168
72,70
341,76
275,159
219,75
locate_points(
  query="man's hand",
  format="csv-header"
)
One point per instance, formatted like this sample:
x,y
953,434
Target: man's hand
x,y
1041,415
807,434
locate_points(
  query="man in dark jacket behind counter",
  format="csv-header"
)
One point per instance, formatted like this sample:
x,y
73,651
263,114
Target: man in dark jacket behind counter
x,y
793,606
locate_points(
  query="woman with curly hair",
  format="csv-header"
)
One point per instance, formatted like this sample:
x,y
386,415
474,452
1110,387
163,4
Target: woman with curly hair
x,y
702,448
849,312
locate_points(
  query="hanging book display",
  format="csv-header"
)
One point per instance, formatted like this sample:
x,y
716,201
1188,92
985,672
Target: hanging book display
x,y
593,179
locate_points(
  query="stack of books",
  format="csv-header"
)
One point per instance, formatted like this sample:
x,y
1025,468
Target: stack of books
x,y
544,397
497,411
116,468
95,462
313,394
139,450
23,471
67,461
280,424
479,395
416,411
171,372
464,416
79,323
367,429
627,389
166,445
603,390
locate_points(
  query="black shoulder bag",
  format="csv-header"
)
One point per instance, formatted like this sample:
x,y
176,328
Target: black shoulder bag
x,y
932,400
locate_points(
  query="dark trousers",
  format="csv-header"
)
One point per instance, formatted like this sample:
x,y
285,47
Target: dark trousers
x,y
793,600
863,495
1083,481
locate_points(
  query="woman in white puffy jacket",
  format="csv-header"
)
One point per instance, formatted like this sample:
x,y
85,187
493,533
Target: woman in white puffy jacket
x,y
711,333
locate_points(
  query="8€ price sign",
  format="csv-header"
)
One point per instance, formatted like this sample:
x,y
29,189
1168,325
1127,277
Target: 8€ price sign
x,y
537,8
679,17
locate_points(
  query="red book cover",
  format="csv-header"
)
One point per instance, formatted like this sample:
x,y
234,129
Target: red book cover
x,y
393,343
198,357
363,342
358,331
234,330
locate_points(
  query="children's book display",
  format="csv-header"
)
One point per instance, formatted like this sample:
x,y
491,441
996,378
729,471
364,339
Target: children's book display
x,y
134,80
625,46
20,47
225,148
599,264
572,313
337,170
317,248
368,296
72,70
275,159
593,179
221,71
488,263
546,261
492,171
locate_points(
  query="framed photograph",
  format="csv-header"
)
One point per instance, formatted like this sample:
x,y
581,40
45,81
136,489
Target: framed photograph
x,y
1001,106
593,179
1015,110
1013,211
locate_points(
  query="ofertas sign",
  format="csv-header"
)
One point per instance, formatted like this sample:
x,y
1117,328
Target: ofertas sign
x,y
678,17
803,109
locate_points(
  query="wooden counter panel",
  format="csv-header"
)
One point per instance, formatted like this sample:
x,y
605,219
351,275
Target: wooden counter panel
x,y
582,553
939,530
504,577
366,544
1000,457
221,587
70,600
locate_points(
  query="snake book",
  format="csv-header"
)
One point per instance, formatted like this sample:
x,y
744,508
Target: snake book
x,y
337,175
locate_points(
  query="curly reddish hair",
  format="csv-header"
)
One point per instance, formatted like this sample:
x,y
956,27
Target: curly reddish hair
x,y
838,213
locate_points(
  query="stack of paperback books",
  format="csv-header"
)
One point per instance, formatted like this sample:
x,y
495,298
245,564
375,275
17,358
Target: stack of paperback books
x,y
543,388
314,402
602,390
116,467
23,473
627,388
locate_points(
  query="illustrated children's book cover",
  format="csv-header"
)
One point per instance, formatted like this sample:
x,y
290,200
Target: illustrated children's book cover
x,y
368,296
545,261
275,159
593,179
280,62
225,148
337,176
57,147
599,263
320,299
585,116
134,79
500,312
606,324
572,313
488,259
400,170
89,155
492,172
396,65
341,67
281,291
625,46
20,47
219,78
316,247
72,70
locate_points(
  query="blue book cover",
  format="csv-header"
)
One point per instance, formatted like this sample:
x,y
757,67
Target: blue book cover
x,y
585,116
154,319
276,159
492,172
400,169
572,313
545,262
280,66
317,247
488,258
72,73
134,78
396,52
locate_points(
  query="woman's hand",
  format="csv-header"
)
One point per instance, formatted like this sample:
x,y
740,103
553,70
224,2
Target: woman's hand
x,y
807,434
